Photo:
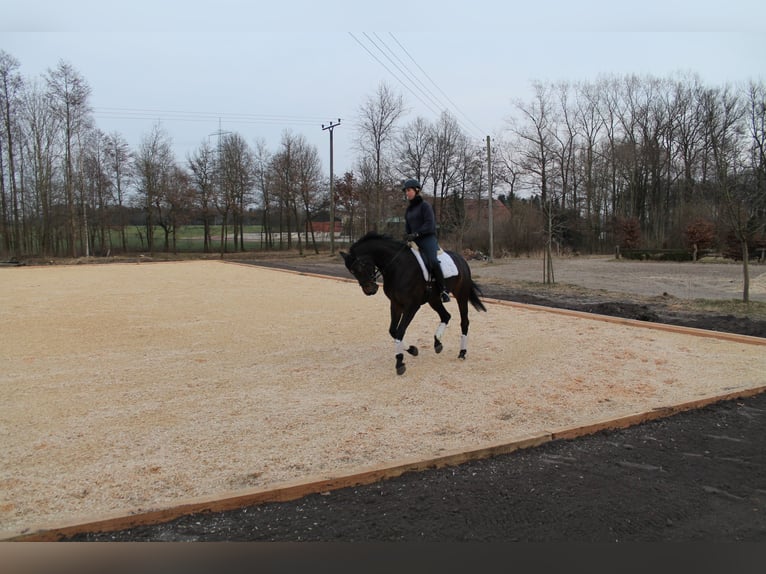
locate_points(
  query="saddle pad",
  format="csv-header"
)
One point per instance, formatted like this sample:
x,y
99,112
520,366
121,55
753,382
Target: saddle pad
x,y
449,269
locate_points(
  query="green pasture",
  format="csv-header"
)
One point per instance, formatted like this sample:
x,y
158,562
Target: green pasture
x,y
188,239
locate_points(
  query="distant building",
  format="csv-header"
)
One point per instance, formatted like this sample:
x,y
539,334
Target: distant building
x,y
321,224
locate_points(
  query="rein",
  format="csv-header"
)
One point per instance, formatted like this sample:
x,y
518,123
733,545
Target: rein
x,y
379,272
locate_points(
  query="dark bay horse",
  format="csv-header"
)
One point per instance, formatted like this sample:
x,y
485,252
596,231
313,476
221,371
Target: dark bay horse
x,y
376,255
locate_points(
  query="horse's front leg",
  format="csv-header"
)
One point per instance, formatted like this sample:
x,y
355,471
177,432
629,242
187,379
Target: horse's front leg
x,y
444,318
399,323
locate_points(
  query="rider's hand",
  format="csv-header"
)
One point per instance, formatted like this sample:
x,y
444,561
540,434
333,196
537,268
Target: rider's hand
x,y
411,237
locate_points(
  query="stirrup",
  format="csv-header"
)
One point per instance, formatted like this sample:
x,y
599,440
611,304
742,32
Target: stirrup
x,y
445,297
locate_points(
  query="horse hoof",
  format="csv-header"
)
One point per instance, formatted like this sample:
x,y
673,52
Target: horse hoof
x,y
400,368
461,355
413,350
438,347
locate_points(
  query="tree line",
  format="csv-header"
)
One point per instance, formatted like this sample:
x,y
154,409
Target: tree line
x,y
623,161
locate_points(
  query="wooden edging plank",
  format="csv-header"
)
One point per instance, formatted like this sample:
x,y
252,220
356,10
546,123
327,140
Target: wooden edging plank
x,y
565,433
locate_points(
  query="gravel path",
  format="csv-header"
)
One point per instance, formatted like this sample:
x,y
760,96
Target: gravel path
x,y
703,280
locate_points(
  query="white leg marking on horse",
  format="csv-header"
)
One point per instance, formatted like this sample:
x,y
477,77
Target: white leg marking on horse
x,y
399,346
440,331
463,342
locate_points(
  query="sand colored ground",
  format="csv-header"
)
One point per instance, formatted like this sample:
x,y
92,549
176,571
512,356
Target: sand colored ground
x,y
132,387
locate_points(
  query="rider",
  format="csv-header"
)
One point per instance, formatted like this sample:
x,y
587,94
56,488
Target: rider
x,y
420,225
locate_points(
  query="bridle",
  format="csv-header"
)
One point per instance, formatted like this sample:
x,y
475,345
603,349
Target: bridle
x,y
380,271
377,272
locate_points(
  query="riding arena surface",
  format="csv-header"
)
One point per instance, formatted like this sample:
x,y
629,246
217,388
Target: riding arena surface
x,y
134,392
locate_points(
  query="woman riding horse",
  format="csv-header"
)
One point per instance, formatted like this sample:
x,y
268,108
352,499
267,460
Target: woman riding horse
x,y
420,225
377,256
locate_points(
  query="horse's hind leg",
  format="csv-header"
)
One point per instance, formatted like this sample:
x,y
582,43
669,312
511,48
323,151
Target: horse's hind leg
x,y
463,347
400,366
438,337
464,322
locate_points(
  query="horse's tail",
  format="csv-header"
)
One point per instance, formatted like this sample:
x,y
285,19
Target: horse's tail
x,y
473,297
474,291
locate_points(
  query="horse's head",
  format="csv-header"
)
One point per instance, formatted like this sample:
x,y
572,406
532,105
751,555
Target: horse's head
x,y
363,269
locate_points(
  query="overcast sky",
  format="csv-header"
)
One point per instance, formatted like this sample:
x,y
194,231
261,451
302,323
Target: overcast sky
x,y
258,68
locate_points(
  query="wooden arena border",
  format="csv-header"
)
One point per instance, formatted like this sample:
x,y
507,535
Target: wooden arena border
x,y
296,490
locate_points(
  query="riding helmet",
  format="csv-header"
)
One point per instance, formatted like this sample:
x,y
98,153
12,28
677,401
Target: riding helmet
x,y
410,183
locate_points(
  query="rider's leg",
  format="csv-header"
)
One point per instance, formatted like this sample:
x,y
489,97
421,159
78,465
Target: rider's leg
x,y
429,247
439,279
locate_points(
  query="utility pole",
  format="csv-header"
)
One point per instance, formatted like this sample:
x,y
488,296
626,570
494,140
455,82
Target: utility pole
x,y
330,127
491,219
219,170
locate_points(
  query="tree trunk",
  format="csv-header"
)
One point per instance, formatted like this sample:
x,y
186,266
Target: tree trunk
x,y
745,272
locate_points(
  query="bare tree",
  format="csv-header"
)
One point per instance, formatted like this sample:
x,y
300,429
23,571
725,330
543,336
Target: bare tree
x,y
40,133
263,184
282,176
202,164
348,200
609,111
173,204
413,147
69,97
564,145
744,186
154,167
506,168
535,142
376,132
366,190
119,168
10,88
448,145
688,146
237,165
308,169
755,114
723,113
295,171
470,178
589,125
656,125
96,191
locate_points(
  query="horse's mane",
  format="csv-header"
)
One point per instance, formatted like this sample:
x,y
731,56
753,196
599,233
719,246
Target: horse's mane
x,y
373,236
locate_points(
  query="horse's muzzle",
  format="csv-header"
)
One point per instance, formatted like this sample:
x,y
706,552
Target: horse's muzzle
x,y
370,288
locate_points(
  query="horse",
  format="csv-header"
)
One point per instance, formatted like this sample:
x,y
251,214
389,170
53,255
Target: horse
x,y
376,255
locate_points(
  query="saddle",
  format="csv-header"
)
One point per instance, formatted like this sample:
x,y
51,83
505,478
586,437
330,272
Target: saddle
x,y
449,269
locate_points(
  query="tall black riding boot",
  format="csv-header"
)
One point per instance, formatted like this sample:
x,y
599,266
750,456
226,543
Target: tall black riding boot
x,y
439,282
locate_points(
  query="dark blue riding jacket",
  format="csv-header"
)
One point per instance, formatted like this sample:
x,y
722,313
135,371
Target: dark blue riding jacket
x,y
419,218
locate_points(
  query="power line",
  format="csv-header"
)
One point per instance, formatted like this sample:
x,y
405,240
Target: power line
x,y
454,105
408,88
197,116
414,79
